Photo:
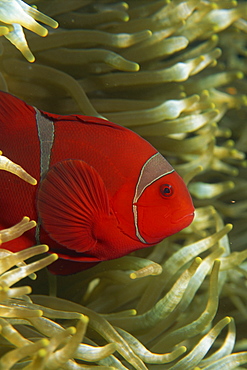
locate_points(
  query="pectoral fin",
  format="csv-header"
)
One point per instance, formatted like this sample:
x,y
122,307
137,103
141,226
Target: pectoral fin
x,y
71,199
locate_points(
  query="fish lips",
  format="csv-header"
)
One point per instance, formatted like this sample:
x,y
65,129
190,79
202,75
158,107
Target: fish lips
x,y
183,221
177,222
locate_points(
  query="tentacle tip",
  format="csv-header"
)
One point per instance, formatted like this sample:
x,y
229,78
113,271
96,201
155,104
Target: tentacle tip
x,y
26,219
197,97
240,75
46,248
55,256
32,276
42,353
133,276
205,92
214,38
135,67
34,181
217,263
45,342
71,330
44,32
183,348
198,260
84,319
214,5
39,313
28,55
200,168
229,227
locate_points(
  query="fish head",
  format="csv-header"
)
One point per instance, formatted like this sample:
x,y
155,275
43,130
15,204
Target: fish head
x,y
164,208
161,205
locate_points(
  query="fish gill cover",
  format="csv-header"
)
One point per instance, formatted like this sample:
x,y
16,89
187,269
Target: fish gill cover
x,y
173,71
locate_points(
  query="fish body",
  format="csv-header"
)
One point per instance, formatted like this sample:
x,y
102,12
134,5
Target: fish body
x,y
103,190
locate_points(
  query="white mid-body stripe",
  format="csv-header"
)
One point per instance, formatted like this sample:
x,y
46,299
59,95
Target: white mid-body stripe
x,y
45,128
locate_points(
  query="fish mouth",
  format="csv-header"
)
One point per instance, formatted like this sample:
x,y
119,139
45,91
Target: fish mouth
x,y
186,219
178,225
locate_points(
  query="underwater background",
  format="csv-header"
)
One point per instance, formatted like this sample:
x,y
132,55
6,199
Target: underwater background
x,y
174,72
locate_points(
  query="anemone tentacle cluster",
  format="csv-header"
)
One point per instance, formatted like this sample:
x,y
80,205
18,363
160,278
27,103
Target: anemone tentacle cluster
x,y
16,14
173,71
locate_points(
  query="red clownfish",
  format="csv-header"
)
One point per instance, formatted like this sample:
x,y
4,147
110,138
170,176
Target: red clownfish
x,y
103,190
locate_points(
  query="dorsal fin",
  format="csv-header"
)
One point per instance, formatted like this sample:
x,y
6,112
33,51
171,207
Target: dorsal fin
x,y
71,199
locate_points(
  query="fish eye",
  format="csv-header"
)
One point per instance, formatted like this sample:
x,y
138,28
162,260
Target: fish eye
x,y
166,190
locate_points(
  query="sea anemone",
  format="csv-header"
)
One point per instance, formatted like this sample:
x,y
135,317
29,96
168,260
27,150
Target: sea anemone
x,y
173,71
14,15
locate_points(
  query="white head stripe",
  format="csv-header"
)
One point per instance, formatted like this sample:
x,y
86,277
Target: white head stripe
x,y
153,169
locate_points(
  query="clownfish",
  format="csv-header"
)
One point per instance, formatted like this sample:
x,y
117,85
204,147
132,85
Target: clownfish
x,y
103,191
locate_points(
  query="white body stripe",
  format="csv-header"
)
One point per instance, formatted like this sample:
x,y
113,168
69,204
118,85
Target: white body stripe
x,y
45,128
